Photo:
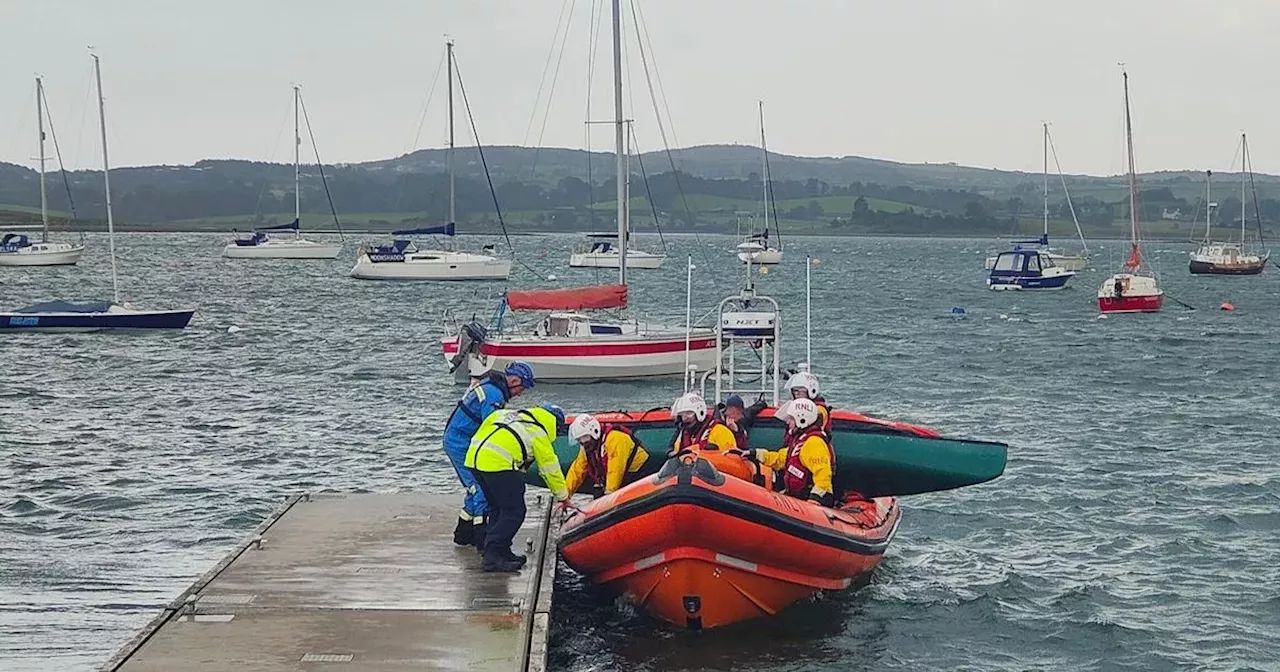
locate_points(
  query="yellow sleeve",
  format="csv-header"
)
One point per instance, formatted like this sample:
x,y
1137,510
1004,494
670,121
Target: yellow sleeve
x,y
638,459
577,472
774,459
723,438
815,456
544,453
617,446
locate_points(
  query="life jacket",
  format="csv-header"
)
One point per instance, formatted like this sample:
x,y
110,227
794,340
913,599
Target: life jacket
x,y
796,477
471,402
688,439
598,459
825,414
517,424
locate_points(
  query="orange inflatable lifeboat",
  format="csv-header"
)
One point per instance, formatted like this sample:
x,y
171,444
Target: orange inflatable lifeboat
x,y
701,549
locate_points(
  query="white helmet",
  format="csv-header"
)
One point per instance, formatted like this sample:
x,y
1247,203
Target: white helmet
x,y
803,412
690,402
585,425
806,381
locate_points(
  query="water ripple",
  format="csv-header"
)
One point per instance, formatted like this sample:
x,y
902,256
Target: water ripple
x,y
1134,529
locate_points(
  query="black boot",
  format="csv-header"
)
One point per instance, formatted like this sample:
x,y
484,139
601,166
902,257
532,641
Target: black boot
x,y
499,564
513,557
463,534
478,535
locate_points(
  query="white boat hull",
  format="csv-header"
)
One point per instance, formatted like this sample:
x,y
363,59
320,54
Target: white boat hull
x,y
432,265
43,254
283,249
635,259
596,359
766,257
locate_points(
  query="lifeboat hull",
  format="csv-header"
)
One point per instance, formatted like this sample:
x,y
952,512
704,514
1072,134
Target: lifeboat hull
x,y
700,549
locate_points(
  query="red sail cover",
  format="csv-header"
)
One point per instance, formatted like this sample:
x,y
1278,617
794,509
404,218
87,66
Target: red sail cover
x,y
596,297
1135,258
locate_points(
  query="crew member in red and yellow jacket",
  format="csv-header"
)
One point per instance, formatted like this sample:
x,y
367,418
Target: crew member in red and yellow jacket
x,y
609,454
804,385
807,461
697,429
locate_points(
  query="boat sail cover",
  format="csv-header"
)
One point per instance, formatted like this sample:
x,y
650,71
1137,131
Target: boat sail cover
x,y
291,226
444,230
1135,258
595,297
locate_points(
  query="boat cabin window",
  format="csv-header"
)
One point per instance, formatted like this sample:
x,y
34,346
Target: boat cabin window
x,y
555,326
1007,262
1033,262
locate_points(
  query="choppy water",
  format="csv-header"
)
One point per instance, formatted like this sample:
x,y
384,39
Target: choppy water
x,y
1136,526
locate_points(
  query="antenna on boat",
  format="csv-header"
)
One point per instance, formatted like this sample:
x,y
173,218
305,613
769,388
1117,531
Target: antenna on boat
x,y
808,312
689,375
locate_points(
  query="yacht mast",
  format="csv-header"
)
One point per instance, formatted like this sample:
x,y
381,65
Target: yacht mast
x,y
1046,180
449,156
619,149
297,163
44,198
106,179
1244,162
1133,179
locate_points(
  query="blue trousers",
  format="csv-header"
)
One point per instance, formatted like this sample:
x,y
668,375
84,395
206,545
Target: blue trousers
x,y
474,504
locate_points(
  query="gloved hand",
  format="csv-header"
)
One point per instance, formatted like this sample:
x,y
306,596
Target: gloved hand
x,y
828,500
565,506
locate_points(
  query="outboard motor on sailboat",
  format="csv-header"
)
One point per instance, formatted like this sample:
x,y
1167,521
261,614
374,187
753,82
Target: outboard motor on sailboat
x,y
470,337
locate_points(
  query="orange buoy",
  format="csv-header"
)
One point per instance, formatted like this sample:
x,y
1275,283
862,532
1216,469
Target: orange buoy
x,y
1227,305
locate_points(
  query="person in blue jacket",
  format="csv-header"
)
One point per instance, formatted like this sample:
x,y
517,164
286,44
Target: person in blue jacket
x,y
491,393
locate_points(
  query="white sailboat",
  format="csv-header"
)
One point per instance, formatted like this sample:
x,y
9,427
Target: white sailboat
x,y
1069,262
65,316
16,249
1229,257
757,249
401,259
570,343
603,251
260,245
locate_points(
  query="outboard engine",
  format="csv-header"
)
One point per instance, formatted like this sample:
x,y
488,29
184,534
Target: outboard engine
x,y
470,337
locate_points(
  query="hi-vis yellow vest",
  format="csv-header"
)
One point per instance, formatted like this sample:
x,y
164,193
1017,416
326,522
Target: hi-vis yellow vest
x,y
512,440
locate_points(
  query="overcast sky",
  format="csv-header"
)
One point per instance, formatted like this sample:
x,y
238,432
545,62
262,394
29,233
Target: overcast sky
x,y
967,81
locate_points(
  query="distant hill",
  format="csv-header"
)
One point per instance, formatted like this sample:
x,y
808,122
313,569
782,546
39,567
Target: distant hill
x,y
547,188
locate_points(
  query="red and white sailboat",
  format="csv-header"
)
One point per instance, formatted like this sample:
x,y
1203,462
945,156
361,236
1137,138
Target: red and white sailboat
x,y
1134,289
568,344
